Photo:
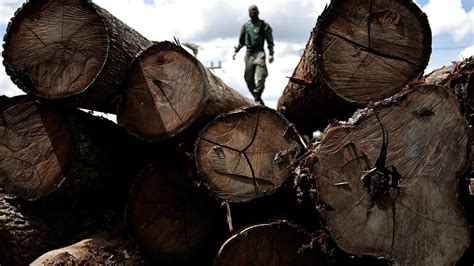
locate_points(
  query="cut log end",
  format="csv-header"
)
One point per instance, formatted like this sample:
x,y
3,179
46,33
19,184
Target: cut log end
x,y
29,130
278,243
166,85
368,50
401,203
238,158
55,49
171,220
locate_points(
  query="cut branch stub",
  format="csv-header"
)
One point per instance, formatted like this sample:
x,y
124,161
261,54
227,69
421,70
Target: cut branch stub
x,y
168,90
244,154
278,243
70,51
368,50
48,148
401,203
173,221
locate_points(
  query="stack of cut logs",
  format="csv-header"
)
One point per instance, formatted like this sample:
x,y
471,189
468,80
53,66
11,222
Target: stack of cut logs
x,y
195,173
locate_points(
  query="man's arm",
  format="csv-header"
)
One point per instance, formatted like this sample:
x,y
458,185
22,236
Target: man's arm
x,y
241,42
269,37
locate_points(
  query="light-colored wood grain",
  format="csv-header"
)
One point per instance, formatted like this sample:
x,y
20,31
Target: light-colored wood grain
x,y
419,221
168,90
245,154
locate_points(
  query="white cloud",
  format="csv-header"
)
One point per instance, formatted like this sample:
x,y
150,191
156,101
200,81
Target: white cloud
x,y
449,17
7,9
215,24
467,52
6,85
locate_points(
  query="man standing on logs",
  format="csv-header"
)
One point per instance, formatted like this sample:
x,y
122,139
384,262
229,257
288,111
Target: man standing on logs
x,y
253,35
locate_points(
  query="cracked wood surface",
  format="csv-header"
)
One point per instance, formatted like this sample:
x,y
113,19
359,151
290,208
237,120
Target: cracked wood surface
x,y
49,149
168,90
172,220
244,155
420,221
277,243
71,51
368,50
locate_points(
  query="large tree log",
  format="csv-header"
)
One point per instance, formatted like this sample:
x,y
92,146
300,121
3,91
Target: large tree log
x,y
47,149
277,243
99,249
169,90
245,154
70,51
359,51
175,222
387,181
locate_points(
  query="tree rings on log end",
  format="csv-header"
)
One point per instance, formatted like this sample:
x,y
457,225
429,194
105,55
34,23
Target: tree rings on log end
x,y
368,50
171,219
278,243
245,154
166,90
55,49
36,147
400,203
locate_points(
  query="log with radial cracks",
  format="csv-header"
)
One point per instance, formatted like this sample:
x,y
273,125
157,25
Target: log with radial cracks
x,y
70,51
277,243
397,200
99,249
173,221
245,154
359,52
169,90
47,149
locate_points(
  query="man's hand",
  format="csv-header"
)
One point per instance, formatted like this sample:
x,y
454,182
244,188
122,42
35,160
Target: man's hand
x,y
270,59
233,56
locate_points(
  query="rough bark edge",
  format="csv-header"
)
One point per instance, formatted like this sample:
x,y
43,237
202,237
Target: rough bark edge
x,y
325,18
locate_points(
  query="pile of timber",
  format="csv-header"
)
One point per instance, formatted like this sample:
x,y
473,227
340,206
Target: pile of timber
x,y
195,173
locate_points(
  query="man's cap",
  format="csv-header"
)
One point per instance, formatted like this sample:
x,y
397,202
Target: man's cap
x,y
253,8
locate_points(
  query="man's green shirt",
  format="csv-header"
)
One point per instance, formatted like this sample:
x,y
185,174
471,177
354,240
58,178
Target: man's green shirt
x,y
253,35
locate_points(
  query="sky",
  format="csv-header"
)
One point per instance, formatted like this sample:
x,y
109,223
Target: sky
x,y
214,25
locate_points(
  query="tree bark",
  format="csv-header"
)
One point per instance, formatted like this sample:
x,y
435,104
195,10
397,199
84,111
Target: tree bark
x,y
245,154
48,150
70,51
397,200
277,243
175,222
359,52
168,90
459,79
99,249
28,229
